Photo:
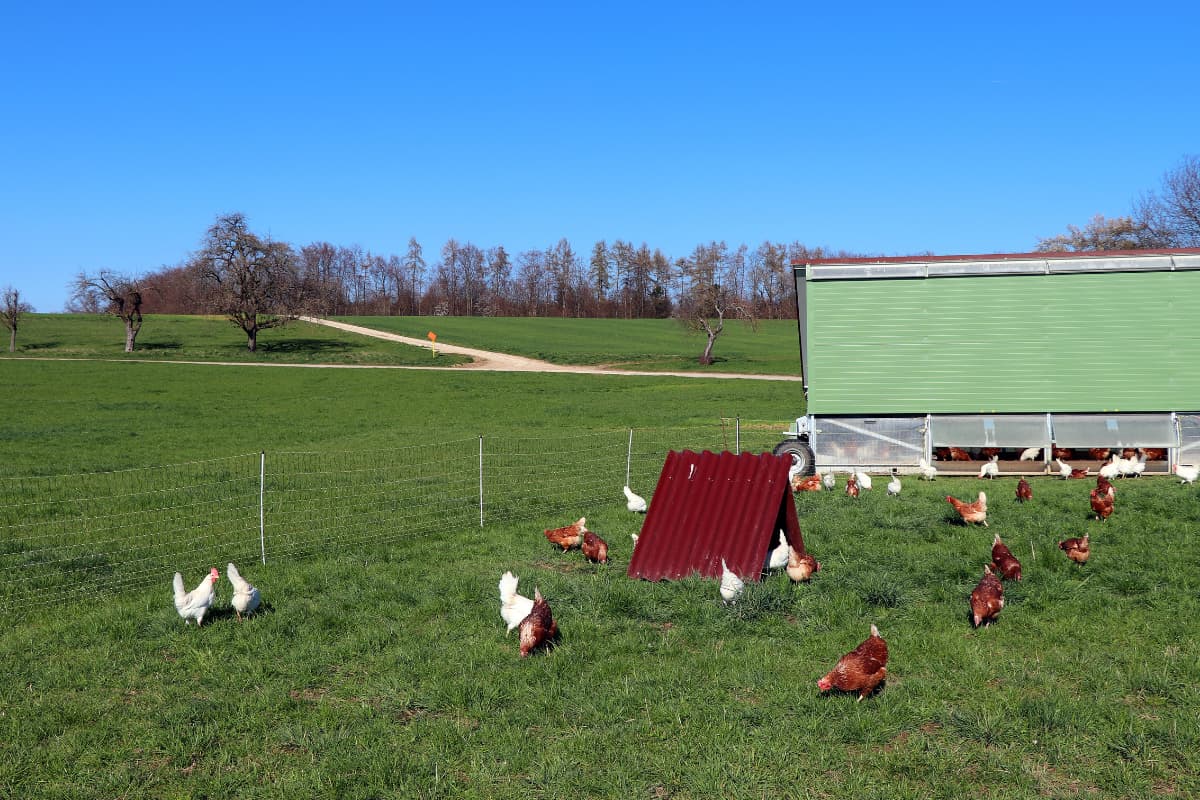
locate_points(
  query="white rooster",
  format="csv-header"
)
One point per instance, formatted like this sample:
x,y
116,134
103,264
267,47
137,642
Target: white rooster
x,y
246,596
893,487
194,604
731,584
513,607
864,481
634,502
1187,473
779,556
928,471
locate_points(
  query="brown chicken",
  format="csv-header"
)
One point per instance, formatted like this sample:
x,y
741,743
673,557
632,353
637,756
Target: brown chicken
x,y
1102,504
987,598
594,548
952,454
567,536
1103,486
860,670
971,512
852,485
1004,562
1077,549
810,483
1154,453
1062,452
538,627
1099,453
1024,491
801,566
1080,472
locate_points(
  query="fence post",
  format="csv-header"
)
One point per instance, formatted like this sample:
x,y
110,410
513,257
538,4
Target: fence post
x,y
262,491
628,456
481,480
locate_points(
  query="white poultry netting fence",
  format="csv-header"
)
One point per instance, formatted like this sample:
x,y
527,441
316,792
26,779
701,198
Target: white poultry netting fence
x,y
68,536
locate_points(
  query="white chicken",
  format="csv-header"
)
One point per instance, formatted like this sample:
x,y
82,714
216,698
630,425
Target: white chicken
x,y
1187,473
513,607
246,596
864,481
928,471
634,536
1127,466
1112,468
634,502
1030,454
1139,465
779,556
194,604
990,468
1064,469
893,487
829,480
731,584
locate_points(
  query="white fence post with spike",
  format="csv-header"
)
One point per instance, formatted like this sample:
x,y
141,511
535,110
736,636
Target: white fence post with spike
x,y
262,518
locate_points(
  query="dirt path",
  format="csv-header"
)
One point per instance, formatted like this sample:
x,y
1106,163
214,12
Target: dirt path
x,y
486,360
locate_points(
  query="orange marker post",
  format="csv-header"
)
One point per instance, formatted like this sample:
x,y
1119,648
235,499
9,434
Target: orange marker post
x,y
432,342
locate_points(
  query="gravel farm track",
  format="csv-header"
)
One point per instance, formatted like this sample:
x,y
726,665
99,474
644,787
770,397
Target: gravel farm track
x,y
486,360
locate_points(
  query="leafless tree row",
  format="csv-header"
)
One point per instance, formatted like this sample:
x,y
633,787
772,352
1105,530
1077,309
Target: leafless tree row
x,y
1166,218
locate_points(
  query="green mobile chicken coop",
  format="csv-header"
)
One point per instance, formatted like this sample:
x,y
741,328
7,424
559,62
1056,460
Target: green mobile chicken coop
x,y
916,357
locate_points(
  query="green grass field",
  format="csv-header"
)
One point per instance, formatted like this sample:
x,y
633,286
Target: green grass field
x,y
650,344
380,665
192,338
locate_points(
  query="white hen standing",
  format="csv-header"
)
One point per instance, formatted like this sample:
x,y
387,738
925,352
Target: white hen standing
x,y
731,584
513,607
246,597
928,471
893,487
779,556
194,604
990,468
1187,473
864,481
634,502
829,480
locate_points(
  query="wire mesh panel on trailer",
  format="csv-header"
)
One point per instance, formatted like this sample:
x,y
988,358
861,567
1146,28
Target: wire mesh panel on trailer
x,y
1189,439
843,443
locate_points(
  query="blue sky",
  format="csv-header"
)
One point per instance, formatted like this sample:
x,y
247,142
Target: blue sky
x,y
883,128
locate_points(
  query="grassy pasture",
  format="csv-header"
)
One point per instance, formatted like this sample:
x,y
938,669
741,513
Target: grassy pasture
x,y
384,670
195,338
644,344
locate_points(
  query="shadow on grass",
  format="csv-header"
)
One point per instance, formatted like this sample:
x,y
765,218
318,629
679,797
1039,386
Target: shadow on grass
x,y
306,346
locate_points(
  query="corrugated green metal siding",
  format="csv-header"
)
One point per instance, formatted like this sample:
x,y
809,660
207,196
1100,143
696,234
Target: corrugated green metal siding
x,y
1005,344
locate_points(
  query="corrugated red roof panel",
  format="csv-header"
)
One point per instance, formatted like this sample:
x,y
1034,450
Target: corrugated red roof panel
x,y
709,506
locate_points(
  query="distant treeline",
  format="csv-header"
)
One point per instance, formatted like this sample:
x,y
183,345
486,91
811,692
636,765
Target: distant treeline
x,y
614,280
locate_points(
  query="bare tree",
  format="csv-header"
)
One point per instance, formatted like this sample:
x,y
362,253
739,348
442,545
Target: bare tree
x,y
252,281
1102,233
11,309
1173,214
109,292
706,301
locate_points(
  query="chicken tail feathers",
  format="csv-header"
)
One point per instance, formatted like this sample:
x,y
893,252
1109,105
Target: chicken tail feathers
x,y
180,592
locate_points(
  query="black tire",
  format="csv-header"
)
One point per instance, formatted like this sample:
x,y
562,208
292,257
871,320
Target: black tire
x,y
804,453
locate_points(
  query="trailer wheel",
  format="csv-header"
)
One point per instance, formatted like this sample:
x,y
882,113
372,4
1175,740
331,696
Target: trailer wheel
x,y
801,452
